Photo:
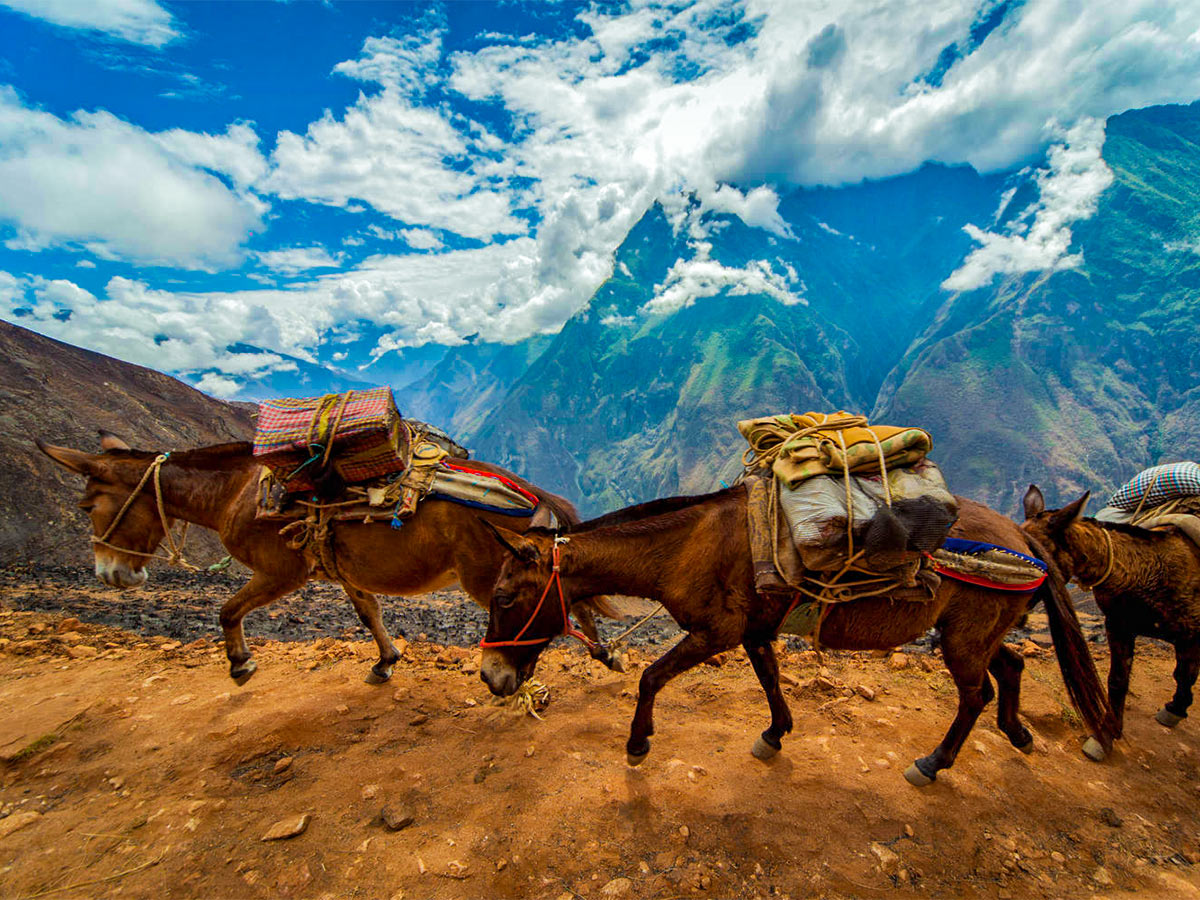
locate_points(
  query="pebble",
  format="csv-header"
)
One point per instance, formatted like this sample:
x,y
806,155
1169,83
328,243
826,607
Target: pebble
x,y
282,765
287,828
370,791
342,709
898,661
1110,818
684,831
17,821
418,719
69,624
1101,876
618,887
889,860
396,818
82,651
1058,857
865,692
908,831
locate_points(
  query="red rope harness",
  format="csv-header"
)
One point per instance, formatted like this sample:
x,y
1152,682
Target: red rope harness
x,y
567,629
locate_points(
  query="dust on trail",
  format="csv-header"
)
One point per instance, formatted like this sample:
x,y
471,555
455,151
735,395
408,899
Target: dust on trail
x,y
131,766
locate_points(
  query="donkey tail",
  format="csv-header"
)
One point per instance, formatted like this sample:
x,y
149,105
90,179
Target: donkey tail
x,y
1074,659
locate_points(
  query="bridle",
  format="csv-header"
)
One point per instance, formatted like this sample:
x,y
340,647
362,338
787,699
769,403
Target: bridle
x,y
567,628
153,471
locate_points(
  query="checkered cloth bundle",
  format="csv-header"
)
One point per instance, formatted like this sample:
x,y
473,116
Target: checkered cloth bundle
x,y
369,439
1155,486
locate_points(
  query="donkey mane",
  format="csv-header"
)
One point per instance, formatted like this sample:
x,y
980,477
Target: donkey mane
x,y
634,516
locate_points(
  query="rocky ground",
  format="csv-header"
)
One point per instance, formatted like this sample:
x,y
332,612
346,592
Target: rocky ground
x,y
131,766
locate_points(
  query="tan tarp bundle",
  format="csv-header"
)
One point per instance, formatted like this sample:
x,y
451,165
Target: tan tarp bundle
x,y
795,447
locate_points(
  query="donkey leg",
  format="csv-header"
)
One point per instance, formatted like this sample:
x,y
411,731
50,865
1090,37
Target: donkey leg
x,y
1120,652
1187,665
260,590
967,668
370,614
691,651
587,624
1007,666
766,667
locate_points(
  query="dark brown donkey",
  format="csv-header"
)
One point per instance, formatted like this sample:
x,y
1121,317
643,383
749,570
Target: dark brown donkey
x,y
216,487
1145,582
693,555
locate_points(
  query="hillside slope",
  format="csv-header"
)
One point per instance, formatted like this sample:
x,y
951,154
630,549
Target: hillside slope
x,y
63,394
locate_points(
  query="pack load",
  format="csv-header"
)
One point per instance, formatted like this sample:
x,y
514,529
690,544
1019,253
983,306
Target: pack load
x,y
351,457
358,435
1153,487
1158,497
841,509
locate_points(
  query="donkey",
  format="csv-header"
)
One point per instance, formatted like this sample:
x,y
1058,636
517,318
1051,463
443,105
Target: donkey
x,y
1145,582
692,554
442,543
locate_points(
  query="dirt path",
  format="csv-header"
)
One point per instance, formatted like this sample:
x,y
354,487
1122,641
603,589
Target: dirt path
x,y
152,775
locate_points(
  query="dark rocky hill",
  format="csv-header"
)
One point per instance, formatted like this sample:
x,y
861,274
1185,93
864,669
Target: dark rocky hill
x,y
63,394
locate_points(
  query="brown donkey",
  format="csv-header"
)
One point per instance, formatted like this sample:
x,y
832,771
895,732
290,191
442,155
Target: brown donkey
x,y
1145,582
216,487
693,555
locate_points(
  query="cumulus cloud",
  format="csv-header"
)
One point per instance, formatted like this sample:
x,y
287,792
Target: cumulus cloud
x,y
293,260
728,102
97,182
702,276
1040,237
136,21
418,164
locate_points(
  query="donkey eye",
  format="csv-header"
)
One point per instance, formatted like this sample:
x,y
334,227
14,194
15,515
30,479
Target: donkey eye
x,y
505,601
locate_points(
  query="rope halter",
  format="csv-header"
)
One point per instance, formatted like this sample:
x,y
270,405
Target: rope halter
x,y
567,628
153,472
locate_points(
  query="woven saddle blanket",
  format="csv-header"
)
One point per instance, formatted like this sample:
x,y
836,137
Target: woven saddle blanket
x,y
386,500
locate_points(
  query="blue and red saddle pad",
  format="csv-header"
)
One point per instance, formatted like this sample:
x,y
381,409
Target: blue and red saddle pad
x,y
982,549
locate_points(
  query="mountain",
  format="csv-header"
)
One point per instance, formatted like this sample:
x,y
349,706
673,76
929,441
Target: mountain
x,y
1075,378
1078,379
635,398
63,394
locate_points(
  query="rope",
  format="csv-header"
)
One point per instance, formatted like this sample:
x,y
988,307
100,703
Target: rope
x,y
616,642
1108,569
175,558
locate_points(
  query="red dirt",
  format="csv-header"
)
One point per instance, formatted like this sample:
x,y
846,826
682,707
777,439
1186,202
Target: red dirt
x,y
155,776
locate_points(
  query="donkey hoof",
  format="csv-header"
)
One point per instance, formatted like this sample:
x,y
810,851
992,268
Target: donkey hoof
x,y
1167,718
1094,750
241,674
616,661
914,776
1027,747
377,677
763,749
635,758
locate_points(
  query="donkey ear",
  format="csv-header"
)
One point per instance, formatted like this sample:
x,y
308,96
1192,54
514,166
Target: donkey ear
x,y
75,460
1068,514
109,441
520,547
1034,502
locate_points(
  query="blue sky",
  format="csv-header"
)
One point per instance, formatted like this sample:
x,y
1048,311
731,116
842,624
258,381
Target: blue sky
x,y
214,188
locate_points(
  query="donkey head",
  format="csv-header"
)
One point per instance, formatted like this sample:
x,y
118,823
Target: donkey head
x,y
112,476
1049,526
526,613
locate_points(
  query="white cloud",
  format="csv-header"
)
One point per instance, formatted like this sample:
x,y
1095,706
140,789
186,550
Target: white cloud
x,y
97,182
218,385
417,164
421,239
294,260
651,103
136,21
1070,190
701,276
